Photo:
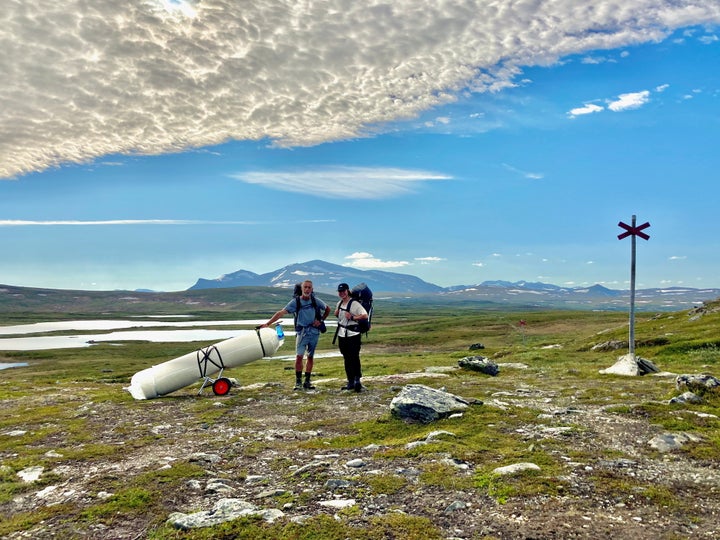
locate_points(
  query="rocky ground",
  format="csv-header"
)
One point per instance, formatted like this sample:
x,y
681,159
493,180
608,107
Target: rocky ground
x,y
252,450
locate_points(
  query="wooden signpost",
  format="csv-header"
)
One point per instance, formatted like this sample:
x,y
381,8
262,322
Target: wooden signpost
x,y
633,231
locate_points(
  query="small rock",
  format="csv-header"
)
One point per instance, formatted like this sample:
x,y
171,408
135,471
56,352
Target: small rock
x,y
205,458
337,483
338,503
516,468
254,479
686,397
31,474
454,506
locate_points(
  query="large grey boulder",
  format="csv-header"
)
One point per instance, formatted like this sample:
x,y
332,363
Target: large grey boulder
x,y
424,404
223,510
668,442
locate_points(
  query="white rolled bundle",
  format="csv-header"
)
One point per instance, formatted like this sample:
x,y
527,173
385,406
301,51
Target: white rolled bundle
x,y
248,346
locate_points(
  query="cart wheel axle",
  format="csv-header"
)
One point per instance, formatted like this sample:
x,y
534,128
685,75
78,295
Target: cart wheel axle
x,y
221,386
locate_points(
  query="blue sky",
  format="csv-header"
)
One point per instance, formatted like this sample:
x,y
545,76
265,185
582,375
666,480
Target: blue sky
x,y
147,144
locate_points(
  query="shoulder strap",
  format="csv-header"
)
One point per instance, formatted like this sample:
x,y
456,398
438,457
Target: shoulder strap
x,y
340,308
315,306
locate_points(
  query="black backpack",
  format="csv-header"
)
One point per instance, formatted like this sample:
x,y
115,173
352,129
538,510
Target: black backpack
x,y
362,293
297,293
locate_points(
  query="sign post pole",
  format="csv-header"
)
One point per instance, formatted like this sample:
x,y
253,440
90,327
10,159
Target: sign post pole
x,y
633,231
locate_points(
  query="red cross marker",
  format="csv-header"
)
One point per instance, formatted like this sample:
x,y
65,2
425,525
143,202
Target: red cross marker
x,y
635,231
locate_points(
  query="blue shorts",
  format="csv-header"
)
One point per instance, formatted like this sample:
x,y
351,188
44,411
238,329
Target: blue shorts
x,y
306,340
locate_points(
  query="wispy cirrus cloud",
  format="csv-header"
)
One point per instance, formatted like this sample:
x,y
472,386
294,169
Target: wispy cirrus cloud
x,y
115,222
342,182
525,174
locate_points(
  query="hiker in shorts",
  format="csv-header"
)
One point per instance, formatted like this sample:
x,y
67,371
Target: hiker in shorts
x,y
307,332
348,312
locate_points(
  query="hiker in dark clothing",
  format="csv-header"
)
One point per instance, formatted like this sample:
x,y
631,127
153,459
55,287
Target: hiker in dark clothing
x,y
348,312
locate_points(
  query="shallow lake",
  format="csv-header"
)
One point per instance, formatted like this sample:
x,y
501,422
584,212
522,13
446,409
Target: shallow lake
x,y
16,364
122,330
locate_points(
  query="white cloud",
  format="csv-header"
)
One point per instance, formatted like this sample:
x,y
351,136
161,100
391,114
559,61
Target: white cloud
x,y
367,261
585,109
343,182
83,80
428,260
440,120
677,258
632,100
596,60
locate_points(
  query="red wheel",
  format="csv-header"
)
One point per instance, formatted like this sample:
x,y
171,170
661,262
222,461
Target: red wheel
x,y
221,386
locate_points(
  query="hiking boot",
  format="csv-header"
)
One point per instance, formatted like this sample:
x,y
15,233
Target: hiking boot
x,y
348,386
358,385
308,386
298,386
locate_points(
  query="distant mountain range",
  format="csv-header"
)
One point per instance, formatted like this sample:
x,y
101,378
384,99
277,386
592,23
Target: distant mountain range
x,y
326,276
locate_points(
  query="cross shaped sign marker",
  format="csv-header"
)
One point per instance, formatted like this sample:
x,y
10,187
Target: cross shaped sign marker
x,y
635,231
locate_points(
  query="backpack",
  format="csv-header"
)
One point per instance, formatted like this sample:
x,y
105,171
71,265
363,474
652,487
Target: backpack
x,y
362,293
297,293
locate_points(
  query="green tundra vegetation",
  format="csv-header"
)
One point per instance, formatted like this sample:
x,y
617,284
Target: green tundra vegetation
x,y
66,397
